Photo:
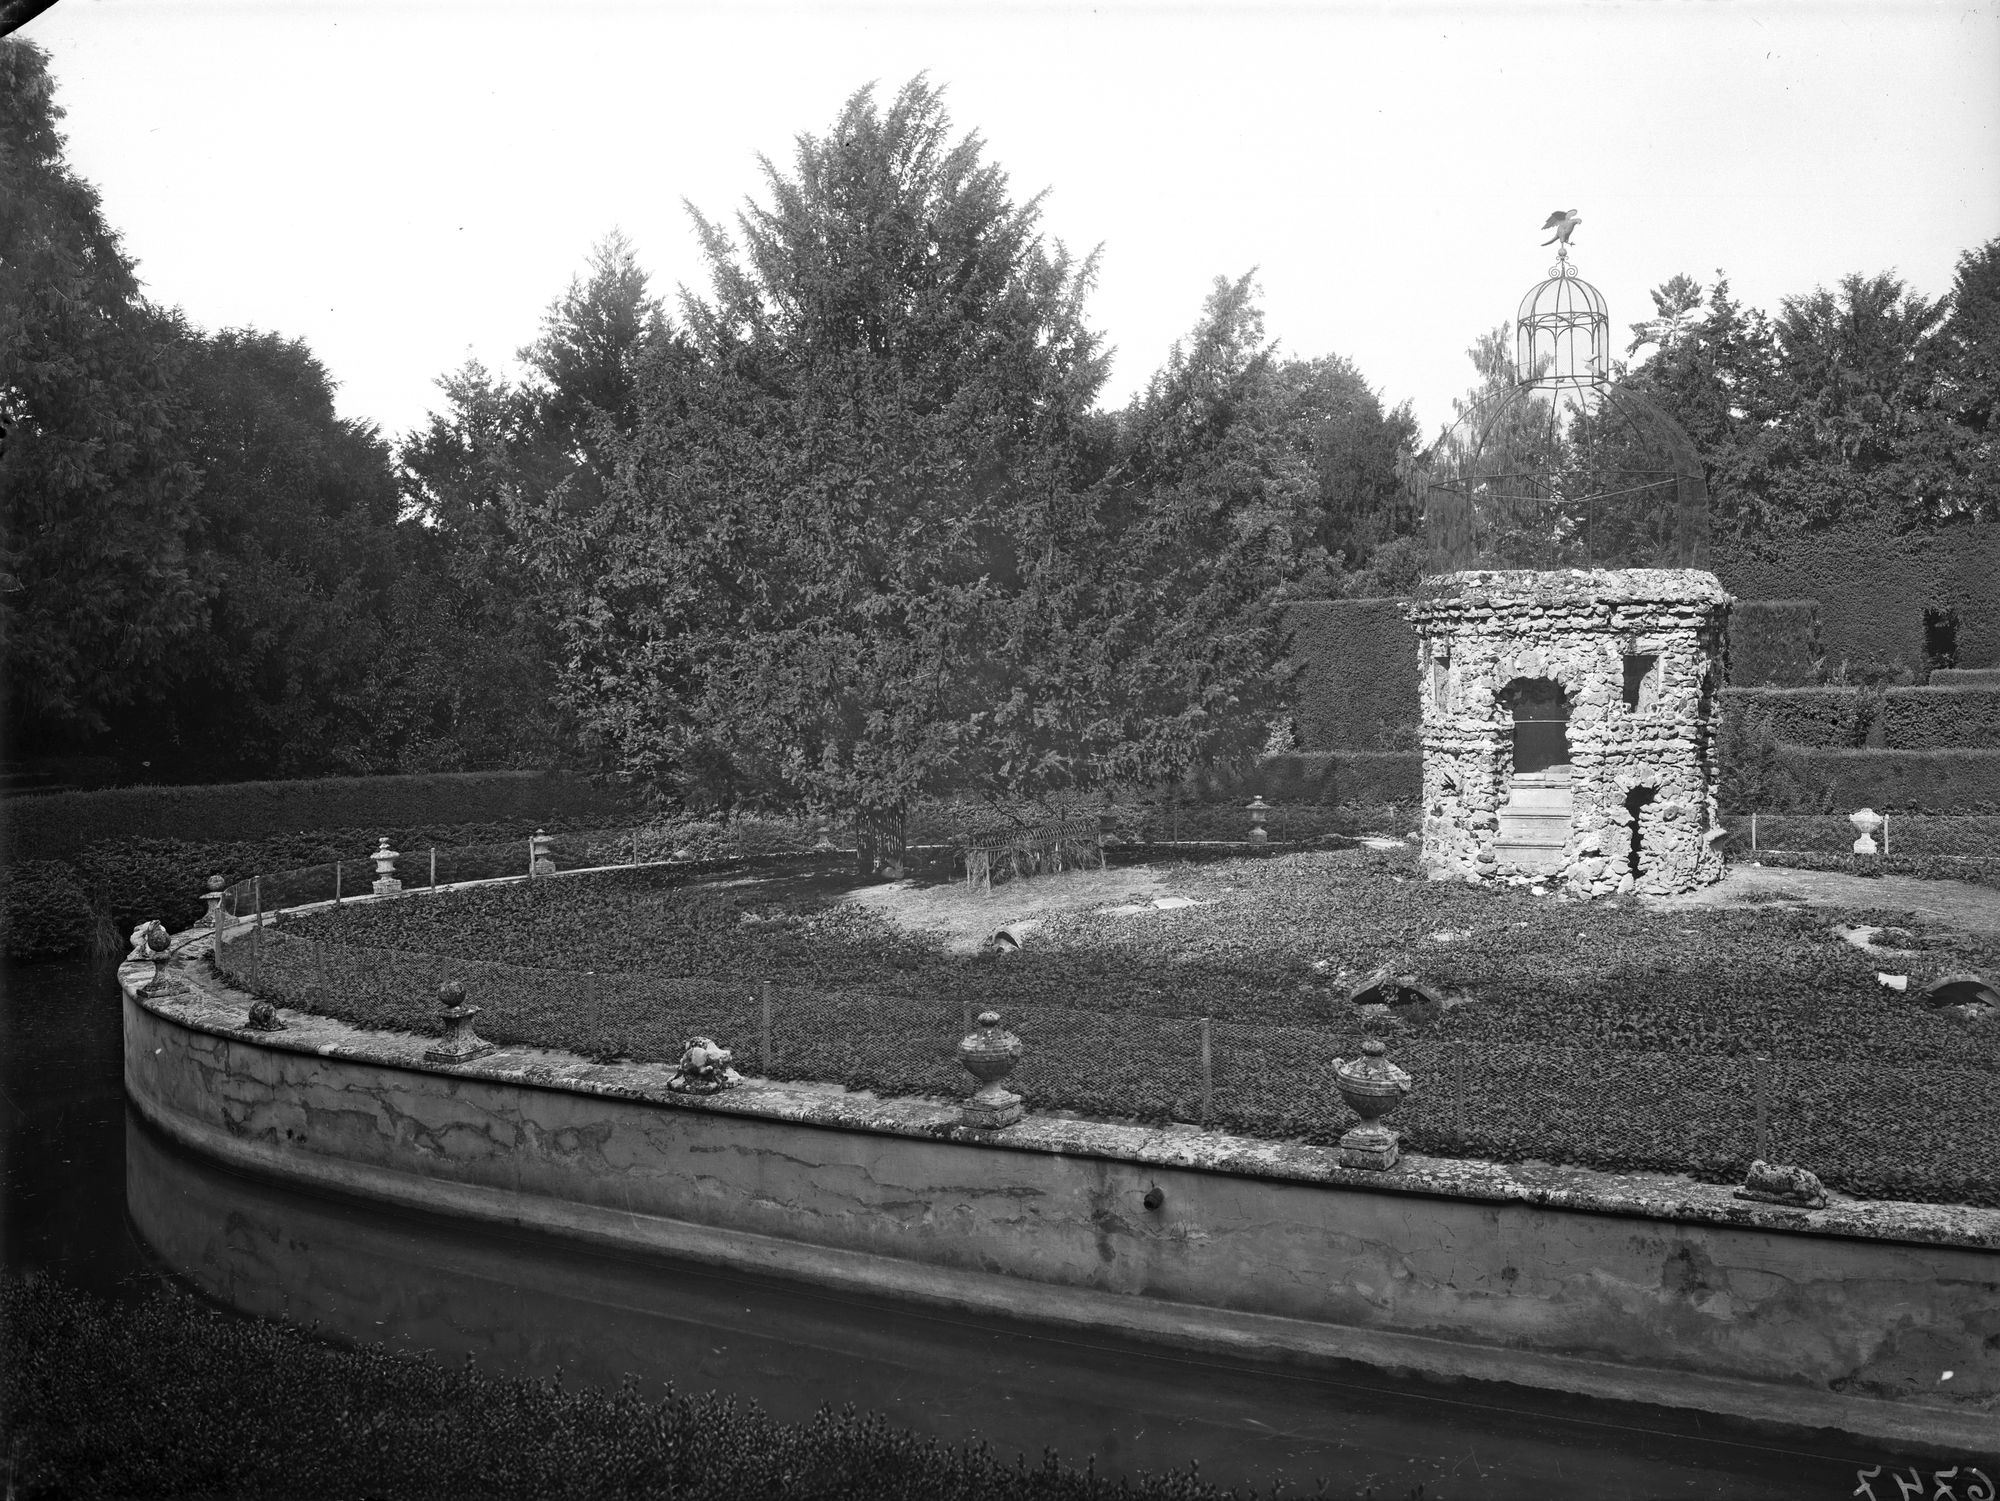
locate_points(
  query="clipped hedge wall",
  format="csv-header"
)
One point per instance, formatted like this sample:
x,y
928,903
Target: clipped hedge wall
x,y
1775,643
57,825
44,910
1330,778
1941,718
1915,781
1873,586
1827,718
50,907
1356,682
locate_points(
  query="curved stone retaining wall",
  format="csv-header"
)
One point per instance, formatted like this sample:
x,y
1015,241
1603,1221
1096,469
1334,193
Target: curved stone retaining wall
x,y
1642,1288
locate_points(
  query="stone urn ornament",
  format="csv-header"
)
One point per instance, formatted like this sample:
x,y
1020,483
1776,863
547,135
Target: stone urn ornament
x,y
1372,1087
704,1068
1866,823
541,857
213,896
1257,808
385,860
989,1055
460,1044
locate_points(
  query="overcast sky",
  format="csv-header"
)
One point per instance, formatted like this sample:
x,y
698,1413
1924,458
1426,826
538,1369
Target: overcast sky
x,y
409,184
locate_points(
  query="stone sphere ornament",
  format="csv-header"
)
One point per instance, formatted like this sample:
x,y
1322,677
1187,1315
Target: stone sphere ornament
x,y
264,1018
1372,1086
152,943
989,1055
460,1044
704,1068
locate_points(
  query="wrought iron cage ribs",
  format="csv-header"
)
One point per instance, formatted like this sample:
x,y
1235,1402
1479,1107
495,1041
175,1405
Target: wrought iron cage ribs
x,y
1563,468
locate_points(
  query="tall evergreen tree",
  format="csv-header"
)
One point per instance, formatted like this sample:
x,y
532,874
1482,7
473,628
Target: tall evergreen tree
x,y
868,537
96,496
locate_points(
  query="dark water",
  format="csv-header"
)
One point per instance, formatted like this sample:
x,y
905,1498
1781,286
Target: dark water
x,y
95,1196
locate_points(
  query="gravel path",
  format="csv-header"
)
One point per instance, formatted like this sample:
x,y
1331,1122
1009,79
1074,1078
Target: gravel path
x,y
1959,904
967,918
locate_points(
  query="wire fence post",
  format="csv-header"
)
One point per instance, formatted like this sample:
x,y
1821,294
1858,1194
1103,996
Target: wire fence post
x,y
1459,1095
434,869
257,936
1763,1143
1885,836
765,993
1753,833
531,854
336,883
1207,1073
965,1018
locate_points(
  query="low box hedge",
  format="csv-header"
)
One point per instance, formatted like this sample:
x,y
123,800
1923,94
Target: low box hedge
x,y
1916,781
59,824
1835,718
1941,718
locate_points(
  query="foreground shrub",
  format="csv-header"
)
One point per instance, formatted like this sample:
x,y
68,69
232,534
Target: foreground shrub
x,y
44,910
169,1398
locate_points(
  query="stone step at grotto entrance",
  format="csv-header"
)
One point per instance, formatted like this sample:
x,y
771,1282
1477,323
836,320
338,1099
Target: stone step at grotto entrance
x,y
1535,819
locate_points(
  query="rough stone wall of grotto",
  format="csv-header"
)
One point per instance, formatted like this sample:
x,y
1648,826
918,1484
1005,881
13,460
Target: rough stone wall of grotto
x,y
1480,631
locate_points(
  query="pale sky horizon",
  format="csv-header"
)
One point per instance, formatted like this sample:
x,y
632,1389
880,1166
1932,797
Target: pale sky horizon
x,y
408,185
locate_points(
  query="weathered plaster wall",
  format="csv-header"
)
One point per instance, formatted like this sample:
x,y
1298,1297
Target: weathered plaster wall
x,y
1481,631
1051,1215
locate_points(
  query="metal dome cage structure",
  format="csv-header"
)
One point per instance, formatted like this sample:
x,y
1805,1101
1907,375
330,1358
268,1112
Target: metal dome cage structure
x,y
1567,467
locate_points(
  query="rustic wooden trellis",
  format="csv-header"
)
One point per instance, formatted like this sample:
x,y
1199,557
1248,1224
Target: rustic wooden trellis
x,y
1033,850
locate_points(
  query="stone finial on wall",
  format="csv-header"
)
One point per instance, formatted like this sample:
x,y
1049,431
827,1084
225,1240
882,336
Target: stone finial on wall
x,y
460,1044
989,1055
385,860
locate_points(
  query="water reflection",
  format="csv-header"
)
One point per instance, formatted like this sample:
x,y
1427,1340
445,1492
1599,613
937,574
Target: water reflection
x,y
523,1305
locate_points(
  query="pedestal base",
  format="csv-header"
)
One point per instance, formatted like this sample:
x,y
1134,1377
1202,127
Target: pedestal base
x,y
460,1043
1369,1147
693,1084
388,886
991,1109
464,1053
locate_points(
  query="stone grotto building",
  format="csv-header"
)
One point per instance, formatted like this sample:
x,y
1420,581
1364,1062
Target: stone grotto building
x,y
1570,638
1566,726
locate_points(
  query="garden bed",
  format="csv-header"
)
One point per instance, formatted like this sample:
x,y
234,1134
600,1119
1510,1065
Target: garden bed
x,y
1610,1034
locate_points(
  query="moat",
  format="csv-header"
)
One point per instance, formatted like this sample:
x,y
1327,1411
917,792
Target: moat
x,y
98,1198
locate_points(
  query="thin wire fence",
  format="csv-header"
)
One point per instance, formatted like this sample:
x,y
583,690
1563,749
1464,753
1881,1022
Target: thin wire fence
x,y
1867,1125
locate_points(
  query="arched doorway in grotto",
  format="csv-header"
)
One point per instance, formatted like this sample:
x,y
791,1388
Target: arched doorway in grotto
x,y
1534,819
1540,711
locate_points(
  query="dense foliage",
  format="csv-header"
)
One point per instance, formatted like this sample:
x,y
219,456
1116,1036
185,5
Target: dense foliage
x,y
185,1401
206,569
1608,1034
865,537
1864,402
